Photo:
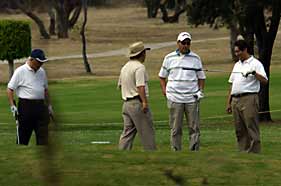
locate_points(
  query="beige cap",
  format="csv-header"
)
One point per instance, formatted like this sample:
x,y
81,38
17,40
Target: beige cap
x,y
136,48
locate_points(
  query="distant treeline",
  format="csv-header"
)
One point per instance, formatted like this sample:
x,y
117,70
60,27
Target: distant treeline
x,y
41,4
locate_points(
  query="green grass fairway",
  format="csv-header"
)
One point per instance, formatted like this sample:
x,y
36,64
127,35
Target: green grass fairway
x,y
90,110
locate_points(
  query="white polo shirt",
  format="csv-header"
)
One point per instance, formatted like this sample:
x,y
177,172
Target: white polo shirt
x,y
29,84
133,75
182,73
250,84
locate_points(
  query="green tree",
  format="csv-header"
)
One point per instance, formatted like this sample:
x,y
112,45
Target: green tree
x,y
15,41
246,17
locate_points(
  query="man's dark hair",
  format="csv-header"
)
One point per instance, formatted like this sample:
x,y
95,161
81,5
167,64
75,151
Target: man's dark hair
x,y
241,44
138,56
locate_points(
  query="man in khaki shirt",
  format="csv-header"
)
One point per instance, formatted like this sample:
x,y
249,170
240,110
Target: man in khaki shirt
x,y
136,114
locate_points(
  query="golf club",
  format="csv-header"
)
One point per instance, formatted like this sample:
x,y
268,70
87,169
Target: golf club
x,y
17,124
210,70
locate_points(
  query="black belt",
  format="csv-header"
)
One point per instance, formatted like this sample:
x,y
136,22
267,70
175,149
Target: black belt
x,y
135,97
243,94
39,101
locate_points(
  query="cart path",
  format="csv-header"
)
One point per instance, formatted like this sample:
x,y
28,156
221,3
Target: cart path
x,y
119,52
123,51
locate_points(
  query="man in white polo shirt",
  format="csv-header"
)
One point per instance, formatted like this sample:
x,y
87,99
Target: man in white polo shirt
x,y
243,100
29,81
182,81
133,81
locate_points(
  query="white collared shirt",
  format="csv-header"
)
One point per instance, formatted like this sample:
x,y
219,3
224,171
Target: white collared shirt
x,y
182,73
29,84
248,84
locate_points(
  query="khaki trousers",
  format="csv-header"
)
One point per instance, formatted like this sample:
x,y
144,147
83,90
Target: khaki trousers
x,y
245,113
191,112
136,121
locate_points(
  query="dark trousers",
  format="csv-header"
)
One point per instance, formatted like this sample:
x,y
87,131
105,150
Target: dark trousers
x,y
33,115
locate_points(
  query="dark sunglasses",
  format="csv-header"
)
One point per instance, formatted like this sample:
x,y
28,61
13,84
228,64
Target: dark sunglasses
x,y
185,42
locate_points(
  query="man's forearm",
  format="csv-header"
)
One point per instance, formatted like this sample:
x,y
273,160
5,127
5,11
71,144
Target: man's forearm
x,y
47,97
141,91
10,94
163,85
262,79
229,97
201,84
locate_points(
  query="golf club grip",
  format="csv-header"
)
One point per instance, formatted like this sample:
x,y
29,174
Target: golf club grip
x,y
16,114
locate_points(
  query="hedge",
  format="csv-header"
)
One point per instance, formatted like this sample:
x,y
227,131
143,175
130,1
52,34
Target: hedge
x,y
15,39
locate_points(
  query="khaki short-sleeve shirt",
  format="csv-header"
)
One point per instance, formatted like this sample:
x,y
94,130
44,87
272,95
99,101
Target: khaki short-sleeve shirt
x,y
132,75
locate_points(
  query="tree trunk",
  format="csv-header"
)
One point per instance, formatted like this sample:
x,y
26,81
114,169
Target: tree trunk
x,y
152,8
155,7
74,17
62,19
265,58
25,9
11,68
52,27
265,41
40,25
234,32
164,11
84,44
180,7
149,5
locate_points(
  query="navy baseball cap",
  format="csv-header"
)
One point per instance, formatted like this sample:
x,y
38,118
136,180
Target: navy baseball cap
x,y
39,55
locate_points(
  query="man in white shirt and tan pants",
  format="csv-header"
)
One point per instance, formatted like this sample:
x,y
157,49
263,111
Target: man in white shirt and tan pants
x,y
29,81
137,117
243,99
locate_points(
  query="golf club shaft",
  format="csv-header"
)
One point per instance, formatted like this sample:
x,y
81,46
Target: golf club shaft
x,y
17,124
216,70
209,70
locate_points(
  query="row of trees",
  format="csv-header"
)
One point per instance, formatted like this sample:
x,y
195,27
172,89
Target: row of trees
x,y
63,15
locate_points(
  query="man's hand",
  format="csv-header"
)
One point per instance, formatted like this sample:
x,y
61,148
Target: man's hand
x,y
144,107
228,109
164,92
14,110
50,109
246,72
199,95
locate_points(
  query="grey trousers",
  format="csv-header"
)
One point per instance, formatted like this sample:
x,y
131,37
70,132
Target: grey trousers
x,y
191,112
245,113
136,121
